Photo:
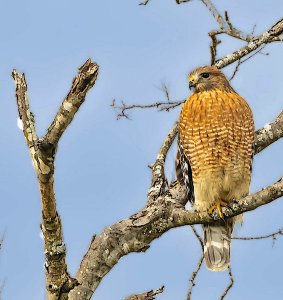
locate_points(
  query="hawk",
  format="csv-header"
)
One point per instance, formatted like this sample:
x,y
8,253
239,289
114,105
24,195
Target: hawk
x,y
214,158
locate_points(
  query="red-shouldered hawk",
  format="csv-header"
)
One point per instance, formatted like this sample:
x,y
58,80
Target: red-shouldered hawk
x,y
215,150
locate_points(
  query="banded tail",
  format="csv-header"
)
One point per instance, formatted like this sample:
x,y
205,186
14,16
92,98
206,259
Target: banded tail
x,y
217,239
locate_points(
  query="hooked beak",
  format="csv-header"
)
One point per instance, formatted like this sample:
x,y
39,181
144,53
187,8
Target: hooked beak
x,y
192,84
192,81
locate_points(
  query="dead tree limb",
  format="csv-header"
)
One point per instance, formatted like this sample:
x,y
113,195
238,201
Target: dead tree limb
x,y
43,151
267,37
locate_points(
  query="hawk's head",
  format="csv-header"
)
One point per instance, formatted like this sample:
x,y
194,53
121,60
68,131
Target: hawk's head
x,y
208,78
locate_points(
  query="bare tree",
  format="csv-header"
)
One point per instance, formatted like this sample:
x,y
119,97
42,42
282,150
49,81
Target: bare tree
x,y
164,208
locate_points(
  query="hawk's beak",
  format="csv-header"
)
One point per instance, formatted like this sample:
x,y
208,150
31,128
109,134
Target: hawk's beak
x,y
192,84
192,81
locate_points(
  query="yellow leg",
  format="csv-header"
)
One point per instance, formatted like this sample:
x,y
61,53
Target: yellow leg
x,y
218,206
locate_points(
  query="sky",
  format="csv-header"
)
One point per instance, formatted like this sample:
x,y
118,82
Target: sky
x,y
101,168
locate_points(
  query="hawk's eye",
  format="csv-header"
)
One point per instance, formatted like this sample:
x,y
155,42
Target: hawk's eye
x,y
205,75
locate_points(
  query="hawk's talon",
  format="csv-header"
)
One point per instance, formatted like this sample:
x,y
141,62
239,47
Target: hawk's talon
x,y
218,206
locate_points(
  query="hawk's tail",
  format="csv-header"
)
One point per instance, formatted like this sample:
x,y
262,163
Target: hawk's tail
x,y
217,239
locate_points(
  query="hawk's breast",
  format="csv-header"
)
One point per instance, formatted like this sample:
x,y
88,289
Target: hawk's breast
x,y
216,132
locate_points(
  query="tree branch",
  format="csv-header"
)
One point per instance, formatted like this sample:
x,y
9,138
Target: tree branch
x,y
267,37
147,295
195,272
136,233
273,236
43,151
193,277
165,212
161,106
158,181
82,83
230,285
217,16
269,134
272,35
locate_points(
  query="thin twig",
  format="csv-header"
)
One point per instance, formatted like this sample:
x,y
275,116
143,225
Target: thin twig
x,y
150,295
273,34
235,70
193,277
198,237
240,61
213,47
273,236
231,282
198,267
182,1
161,106
144,3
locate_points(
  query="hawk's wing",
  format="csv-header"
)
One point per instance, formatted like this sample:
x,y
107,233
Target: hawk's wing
x,y
184,172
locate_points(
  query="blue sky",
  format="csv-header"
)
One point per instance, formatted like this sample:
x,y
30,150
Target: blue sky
x,y
101,168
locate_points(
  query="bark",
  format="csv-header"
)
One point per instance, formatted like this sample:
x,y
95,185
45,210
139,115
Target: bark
x,y
43,151
270,133
267,37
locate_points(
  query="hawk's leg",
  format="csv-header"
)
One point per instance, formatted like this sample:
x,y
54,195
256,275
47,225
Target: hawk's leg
x,y
218,206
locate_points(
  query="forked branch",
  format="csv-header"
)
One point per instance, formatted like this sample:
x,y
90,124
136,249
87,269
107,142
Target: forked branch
x,y
43,151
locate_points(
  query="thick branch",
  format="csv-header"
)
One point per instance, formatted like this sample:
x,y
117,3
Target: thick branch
x,y
158,181
136,233
42,151
269,134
